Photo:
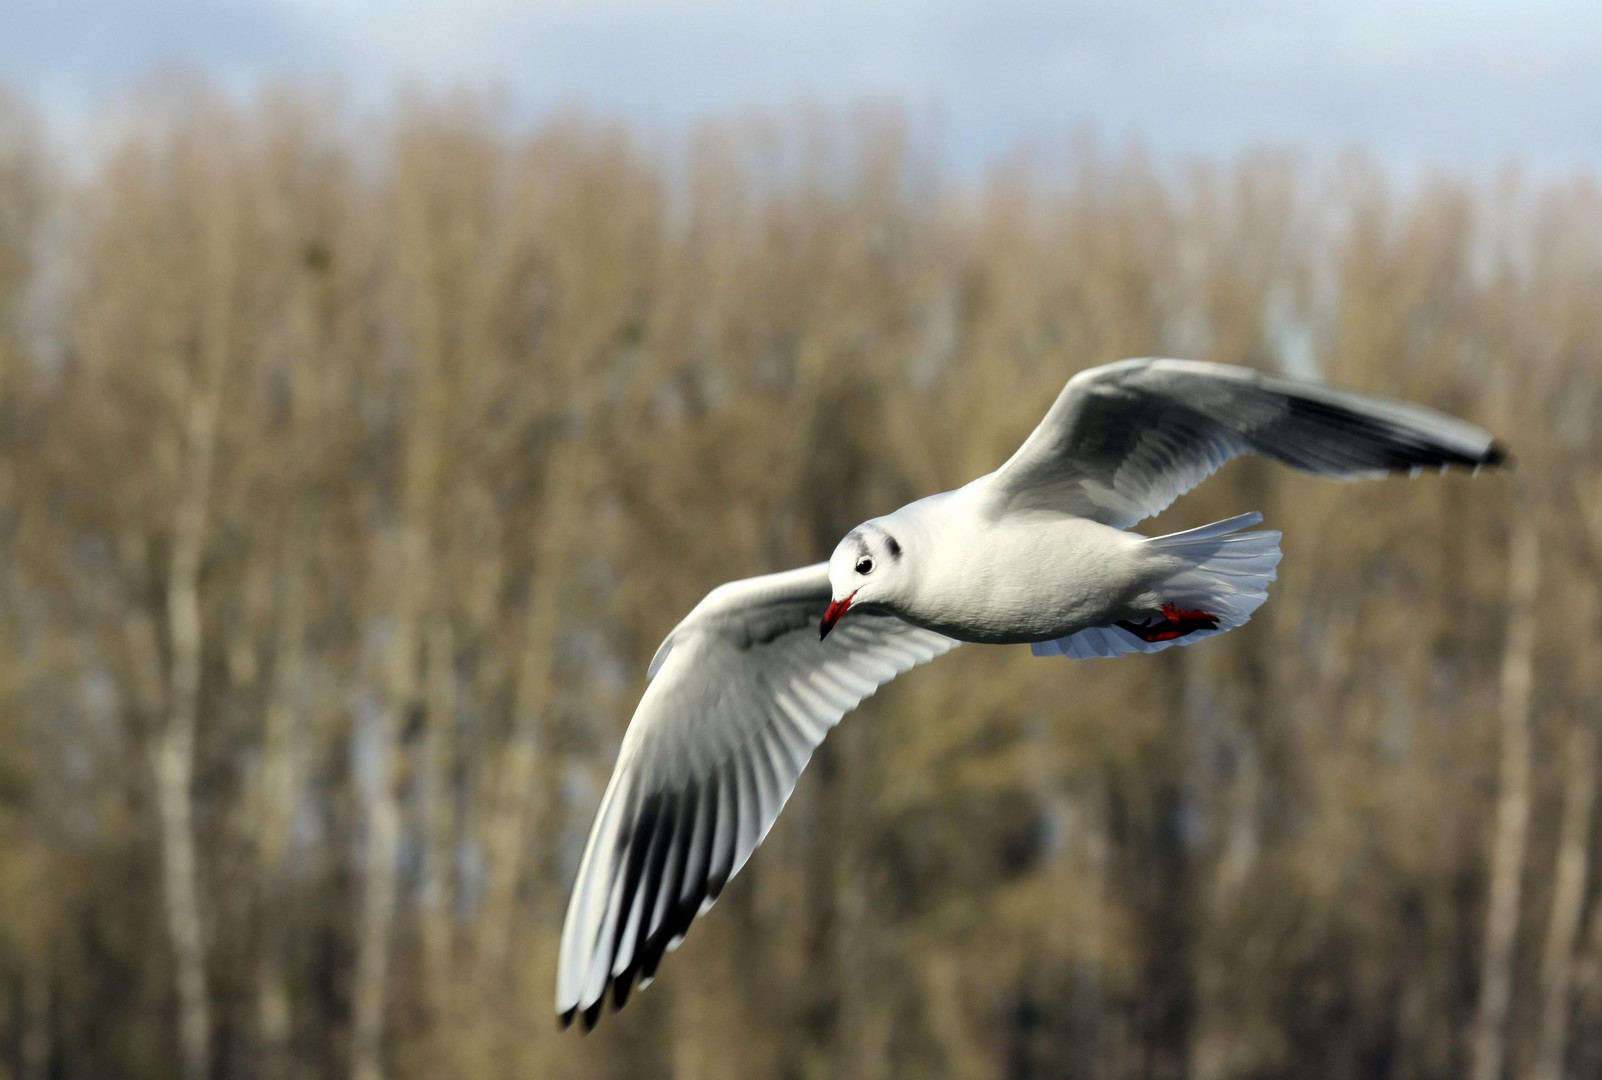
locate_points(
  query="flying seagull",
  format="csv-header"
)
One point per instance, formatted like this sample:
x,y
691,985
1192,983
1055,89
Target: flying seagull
x,y
745,688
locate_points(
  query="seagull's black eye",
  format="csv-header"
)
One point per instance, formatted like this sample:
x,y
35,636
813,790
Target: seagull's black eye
x,y
864,566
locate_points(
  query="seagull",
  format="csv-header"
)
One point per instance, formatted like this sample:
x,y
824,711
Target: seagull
x,y
749,683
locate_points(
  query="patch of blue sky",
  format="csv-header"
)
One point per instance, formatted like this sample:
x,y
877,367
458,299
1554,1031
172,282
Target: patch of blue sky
x,y
1418,82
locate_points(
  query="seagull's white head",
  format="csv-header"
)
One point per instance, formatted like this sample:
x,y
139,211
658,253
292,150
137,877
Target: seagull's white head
x,y
868,569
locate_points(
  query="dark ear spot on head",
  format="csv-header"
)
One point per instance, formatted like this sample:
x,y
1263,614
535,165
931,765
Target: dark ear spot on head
x,y
895,548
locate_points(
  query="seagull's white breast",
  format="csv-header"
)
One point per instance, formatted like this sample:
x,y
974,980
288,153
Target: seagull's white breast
x,y
1025,577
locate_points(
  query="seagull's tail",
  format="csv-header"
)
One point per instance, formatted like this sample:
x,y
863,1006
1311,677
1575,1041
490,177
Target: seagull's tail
x,y
1222,578
1228,571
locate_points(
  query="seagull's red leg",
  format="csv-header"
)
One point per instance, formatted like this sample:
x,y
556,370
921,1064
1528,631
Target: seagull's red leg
x,y
1175,623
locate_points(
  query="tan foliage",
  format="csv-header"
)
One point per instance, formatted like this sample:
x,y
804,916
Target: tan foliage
x,y
352,474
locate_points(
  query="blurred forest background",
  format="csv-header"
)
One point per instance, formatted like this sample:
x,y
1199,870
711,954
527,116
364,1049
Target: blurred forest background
x,y
351,471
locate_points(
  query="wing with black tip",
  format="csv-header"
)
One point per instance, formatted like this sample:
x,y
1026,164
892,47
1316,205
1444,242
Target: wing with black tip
x,y
1124,440
741,692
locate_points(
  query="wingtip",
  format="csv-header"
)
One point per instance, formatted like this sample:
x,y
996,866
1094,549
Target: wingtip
x,y
1498,456
588,1015
620,989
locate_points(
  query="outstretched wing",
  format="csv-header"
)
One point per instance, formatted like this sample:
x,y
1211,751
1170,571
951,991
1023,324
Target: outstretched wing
x,y
741,692
1125,440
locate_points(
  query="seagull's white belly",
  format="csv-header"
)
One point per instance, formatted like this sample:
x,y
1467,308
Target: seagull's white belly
x,y
1037,580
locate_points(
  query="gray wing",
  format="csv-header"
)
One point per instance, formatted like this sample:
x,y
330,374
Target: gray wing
x,y
742,691
1125,440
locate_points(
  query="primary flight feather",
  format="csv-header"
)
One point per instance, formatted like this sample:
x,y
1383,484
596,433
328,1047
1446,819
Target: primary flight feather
x,y
752,679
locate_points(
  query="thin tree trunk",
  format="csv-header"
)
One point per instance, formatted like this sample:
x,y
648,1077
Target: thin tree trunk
x,y
175,747
1166,1018
514,784
378,901
411,586
280,740
275,804
438,895
1568,899
513,795
174,751
1586,976
1092,847
1489,1048
36,1041
942,983
862,1044
383,810
514,792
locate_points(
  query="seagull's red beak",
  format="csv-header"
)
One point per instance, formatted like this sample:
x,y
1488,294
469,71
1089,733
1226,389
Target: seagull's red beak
x,y
831,616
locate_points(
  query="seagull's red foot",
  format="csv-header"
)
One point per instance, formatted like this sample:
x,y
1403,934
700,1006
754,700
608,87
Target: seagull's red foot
x,y
1175,623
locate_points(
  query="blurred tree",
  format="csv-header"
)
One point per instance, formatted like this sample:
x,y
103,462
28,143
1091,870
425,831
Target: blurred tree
x,y
350,475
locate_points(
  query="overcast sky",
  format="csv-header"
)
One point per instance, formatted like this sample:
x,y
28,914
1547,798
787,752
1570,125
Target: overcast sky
x,y
1464,84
